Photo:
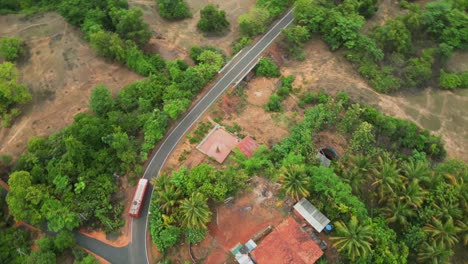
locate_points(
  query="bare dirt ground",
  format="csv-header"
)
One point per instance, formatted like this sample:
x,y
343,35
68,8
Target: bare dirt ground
x,y
184,33
237,222
60,71
442,112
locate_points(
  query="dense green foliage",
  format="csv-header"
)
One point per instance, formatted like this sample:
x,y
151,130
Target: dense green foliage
x,y
173,9
392,201
180,202
453,80
266,67
404,52
12,93
65,170
11,48
212,19
257,20
274,103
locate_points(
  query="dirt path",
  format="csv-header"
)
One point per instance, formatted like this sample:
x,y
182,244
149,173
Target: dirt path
x,y
441,112
60,71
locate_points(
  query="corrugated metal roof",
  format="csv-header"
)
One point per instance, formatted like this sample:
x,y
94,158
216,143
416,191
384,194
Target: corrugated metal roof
x,y
248,146
313,216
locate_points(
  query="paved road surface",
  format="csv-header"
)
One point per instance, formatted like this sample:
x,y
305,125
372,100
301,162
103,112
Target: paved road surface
x,y
136,251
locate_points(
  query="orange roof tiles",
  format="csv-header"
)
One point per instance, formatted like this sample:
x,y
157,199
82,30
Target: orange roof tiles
x,y
218,144
287,244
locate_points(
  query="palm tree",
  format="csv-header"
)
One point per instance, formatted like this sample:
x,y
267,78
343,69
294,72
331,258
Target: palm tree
x,y
386,178
463,230
417,170
354,239
443,233
360,167
413,194
434,253
195,211
294,180
398,212
168,198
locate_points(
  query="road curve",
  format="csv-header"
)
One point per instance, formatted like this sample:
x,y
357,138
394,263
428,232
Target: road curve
x,y
136,251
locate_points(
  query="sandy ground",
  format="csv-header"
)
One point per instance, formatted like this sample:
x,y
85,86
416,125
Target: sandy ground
x,y
60,70
184,33
442,112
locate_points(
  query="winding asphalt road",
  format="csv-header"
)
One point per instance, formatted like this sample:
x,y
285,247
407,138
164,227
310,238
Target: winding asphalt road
x,y
136,251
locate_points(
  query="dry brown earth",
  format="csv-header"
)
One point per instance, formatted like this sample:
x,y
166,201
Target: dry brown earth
x,y
184,33
60,71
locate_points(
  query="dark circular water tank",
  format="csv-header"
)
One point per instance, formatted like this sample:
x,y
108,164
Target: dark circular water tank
x,y
329,153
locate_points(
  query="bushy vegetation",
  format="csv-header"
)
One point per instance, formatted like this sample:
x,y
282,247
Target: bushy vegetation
x,y
173,9
66,170
389,196
180,202
257,20
212,19
404,52
453,80
274,103
11,49
12,93
267,68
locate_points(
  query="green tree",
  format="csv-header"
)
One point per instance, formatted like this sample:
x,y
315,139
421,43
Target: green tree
x,y
363,138
64,240
434,253
394,36
294,181
168,198
195,211
212,19
353,239
266,67
173,9
399,212
109,45
443,233
12,93
11,48
254,22
274,104
101,101
386,178
129,24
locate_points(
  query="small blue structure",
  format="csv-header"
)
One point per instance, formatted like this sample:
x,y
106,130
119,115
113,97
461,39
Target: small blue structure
x,y
328,228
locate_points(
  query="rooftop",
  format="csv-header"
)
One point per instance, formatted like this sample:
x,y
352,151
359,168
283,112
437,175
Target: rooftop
x,y
218,144
287,244
313,216
247,146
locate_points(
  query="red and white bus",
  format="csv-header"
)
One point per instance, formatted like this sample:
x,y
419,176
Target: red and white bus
x,y
137,201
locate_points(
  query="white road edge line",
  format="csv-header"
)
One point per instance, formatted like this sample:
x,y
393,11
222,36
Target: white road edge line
x,y
209,105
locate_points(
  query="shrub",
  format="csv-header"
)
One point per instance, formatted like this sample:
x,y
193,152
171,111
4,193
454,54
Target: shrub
x,y
274,104
11,48
212,19
266,67
173,9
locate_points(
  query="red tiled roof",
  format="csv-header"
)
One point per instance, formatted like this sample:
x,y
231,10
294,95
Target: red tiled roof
x,y
287,244
248,146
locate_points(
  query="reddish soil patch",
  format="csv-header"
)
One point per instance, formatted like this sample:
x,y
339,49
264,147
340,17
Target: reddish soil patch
x,y
238,222
60,71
